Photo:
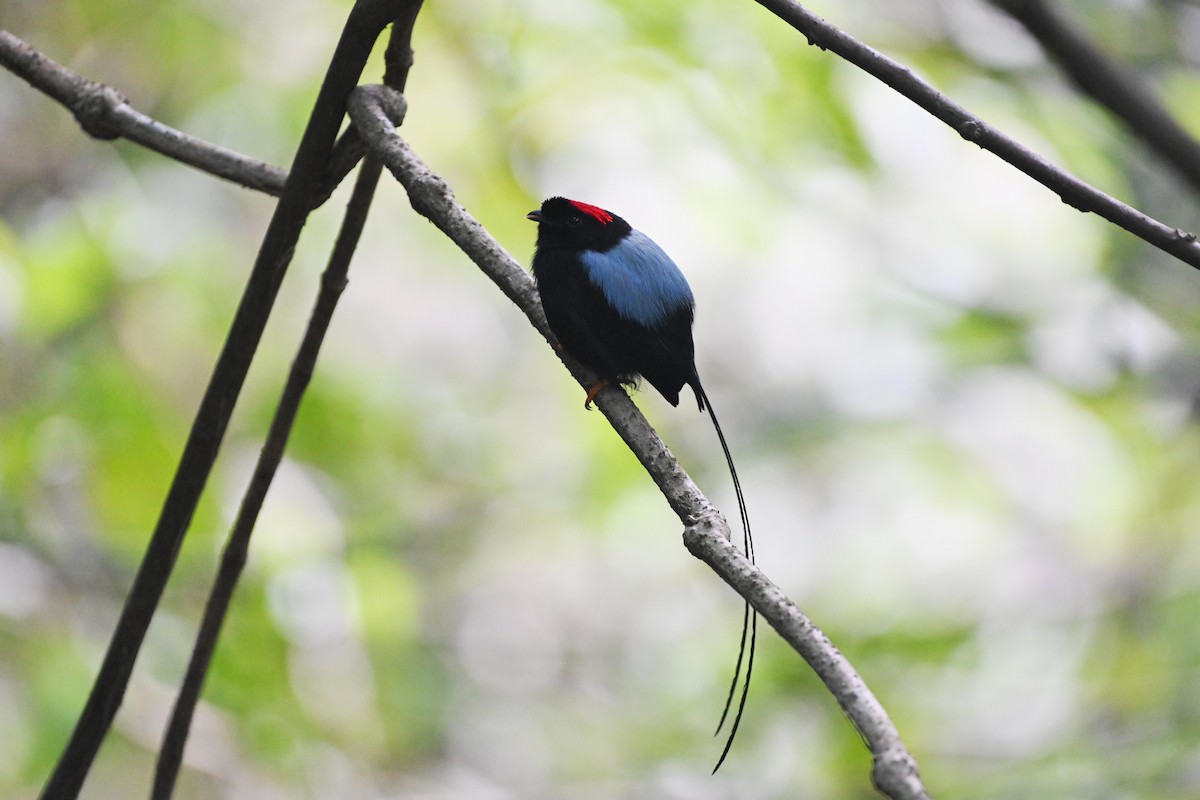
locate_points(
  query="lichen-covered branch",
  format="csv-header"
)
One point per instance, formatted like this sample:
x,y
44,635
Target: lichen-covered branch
x,y
706,532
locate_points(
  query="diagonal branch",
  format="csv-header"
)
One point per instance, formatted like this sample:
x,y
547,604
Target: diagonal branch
x,y
1109,84
233,558
366,20
706,533
1072,190
399,60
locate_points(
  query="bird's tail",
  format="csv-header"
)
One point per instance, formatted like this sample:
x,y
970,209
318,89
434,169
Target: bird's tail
x,y
749,618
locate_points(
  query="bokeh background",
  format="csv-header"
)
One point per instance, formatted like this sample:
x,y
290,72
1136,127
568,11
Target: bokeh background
x,y
964,413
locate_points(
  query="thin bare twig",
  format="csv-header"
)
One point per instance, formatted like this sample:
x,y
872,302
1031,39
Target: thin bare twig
x,y
366,20
706,532
104,113
1072,190
1110,84
233,558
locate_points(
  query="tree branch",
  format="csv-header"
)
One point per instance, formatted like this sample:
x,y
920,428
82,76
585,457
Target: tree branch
x,y
366,20
333,281
104,113
895,770
233,558
1072,190
706,532
1109,84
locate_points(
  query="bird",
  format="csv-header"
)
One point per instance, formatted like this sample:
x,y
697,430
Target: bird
x,y
621,307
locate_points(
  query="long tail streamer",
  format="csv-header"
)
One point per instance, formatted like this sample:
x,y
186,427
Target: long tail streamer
x,y
749,617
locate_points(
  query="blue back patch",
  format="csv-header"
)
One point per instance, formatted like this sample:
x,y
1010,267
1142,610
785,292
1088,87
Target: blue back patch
x,y
639,280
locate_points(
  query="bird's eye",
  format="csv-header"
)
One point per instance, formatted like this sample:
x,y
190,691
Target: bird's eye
x,y
574,220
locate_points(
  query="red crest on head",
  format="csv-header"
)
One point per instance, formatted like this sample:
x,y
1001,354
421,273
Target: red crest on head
x,y
595,212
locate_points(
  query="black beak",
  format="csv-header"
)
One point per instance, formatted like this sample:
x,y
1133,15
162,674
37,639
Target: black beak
x,y
535,215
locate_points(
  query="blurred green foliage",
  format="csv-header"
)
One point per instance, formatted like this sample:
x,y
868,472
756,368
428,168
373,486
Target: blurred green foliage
x,y
964,413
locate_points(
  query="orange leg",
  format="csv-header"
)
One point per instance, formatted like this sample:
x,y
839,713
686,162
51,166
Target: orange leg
x,y
593,390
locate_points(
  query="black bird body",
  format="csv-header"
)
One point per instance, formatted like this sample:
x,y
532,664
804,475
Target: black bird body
x,y
621,307
614,299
